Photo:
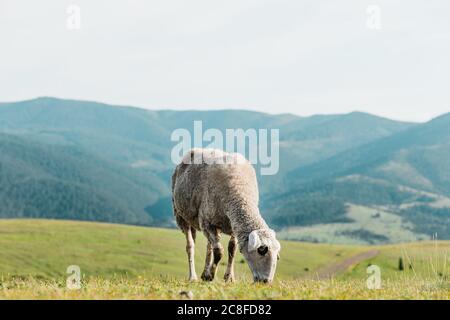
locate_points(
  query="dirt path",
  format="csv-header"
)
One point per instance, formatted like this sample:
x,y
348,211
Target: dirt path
x,y
328,272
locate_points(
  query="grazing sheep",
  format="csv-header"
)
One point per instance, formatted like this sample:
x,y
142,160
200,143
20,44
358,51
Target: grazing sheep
x,y
217,192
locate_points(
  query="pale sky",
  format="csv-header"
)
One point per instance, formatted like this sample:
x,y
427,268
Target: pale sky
x,y
303,57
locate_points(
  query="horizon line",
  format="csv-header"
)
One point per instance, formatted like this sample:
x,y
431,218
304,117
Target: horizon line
x,y
111,104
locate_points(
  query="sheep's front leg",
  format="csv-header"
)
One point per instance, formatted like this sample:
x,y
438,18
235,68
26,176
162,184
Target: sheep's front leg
x,y
206,275
190,250
213,236
229,273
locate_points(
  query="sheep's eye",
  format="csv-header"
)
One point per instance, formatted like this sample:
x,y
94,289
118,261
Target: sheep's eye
x,y
263,250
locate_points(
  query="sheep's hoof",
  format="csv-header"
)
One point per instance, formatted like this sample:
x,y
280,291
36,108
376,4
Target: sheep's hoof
x,y
207,276
228,277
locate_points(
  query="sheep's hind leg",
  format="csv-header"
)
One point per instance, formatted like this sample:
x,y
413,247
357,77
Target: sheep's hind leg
x,y
190,250
213,236
229,273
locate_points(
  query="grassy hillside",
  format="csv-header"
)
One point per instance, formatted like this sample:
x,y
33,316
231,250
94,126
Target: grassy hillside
x,y
108,249
146,263
364,225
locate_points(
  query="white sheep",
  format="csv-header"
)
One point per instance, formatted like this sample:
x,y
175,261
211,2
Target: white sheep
x,y
217,192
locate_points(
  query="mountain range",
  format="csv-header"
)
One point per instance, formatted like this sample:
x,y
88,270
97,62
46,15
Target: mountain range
x,y
350,178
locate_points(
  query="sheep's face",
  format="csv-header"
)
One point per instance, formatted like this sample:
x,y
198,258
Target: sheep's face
x,y
262,252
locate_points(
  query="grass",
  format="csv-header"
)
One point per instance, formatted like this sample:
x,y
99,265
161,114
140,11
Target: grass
x,y
126,262
428,260
158,288
45,248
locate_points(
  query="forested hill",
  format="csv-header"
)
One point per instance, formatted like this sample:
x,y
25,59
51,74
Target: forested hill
x,y
91,161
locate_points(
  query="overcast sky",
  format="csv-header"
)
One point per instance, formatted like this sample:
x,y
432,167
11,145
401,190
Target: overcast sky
x,y
303,57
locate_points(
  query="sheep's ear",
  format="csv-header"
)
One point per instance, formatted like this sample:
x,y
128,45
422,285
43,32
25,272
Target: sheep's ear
x,y
253,241
275,242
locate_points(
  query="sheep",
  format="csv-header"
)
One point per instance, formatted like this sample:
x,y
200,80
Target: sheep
x,y
217,192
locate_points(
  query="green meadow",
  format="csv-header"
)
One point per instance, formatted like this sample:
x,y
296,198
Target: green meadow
x,y
128,262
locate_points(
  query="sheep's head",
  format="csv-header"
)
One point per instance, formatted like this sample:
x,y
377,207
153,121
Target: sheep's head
x,y
262,252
